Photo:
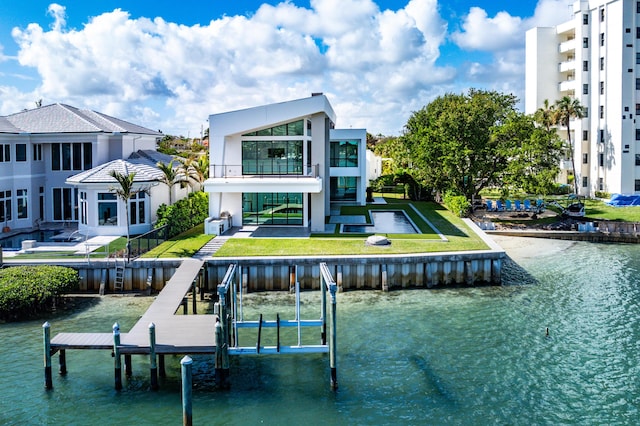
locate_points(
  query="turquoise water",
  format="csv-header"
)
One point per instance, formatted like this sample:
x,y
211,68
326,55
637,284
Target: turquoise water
x,y
462,356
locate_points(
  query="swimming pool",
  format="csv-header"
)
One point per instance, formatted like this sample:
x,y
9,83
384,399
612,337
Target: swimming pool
x,y
384,222
14,242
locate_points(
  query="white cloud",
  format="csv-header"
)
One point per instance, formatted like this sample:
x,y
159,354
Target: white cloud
x,y
484,33
375,66
59,16
550,13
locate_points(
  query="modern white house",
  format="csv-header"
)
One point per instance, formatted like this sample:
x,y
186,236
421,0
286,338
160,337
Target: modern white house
x,y
595,58
282,164
43,148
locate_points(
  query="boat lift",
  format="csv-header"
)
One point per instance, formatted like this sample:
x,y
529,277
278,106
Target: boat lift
x,y
230,311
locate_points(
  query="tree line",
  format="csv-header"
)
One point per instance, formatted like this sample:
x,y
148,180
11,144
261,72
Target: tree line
x,y
465,143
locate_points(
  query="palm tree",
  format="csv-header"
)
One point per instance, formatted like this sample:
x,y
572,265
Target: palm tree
x,y
547,115
199,170
170,176
568,108
124,192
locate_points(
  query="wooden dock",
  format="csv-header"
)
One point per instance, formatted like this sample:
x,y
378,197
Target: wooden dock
x,y
175,334
161,332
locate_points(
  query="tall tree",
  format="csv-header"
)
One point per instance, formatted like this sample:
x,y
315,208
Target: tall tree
x,y
547,115
124,191
534,161
569,108
453,145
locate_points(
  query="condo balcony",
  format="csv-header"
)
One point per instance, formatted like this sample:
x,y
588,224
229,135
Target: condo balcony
x,y
565,165
567,87
568,46
567,66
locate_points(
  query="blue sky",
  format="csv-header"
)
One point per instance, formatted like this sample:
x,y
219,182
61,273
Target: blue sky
x,y
167,65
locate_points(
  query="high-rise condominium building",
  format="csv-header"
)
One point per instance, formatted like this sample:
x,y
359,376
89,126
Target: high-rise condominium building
x,y
595,58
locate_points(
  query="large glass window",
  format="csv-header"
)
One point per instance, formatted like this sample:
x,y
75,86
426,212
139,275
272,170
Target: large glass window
x,y
83,207
344,153
272,157
295,128
137,209
64,204
107,209
344,188
5,206
21,152
71,156
22,201
272,208
5,153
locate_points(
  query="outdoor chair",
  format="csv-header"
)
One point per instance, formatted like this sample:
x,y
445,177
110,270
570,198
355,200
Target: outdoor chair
x,y
518,205
508,205
527,205
499,206
490,207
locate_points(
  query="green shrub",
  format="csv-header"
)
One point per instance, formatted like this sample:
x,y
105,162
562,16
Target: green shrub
x,y
456,204
27,290
185,213
602,194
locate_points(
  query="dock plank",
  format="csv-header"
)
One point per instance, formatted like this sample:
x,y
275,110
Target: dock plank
x,y
174,333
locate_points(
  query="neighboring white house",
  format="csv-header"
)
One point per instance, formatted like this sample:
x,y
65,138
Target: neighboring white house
x,y
103,213
595,58
282,164
40,149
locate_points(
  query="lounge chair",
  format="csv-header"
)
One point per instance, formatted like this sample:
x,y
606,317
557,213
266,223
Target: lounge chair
x,y
527,205
499,206
490,207
508,205
518,205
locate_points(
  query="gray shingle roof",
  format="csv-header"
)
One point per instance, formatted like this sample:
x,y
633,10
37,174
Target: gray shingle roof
x,y
7,127
60,118
145,172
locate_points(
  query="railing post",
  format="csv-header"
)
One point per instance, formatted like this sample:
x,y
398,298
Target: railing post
x,y
116,354
48,381
153,368
333,340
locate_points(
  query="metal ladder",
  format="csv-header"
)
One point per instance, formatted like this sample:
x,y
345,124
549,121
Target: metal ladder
x,y
118,283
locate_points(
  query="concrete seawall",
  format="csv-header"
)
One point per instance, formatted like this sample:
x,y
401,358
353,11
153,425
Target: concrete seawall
x,y
273,273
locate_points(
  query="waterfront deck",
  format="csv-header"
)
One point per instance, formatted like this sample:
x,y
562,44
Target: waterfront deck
x,y
175,334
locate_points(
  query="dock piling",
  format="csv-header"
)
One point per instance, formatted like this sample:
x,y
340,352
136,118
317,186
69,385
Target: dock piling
x,y
128,368
153,368
116,354
62,358
48,380
187,405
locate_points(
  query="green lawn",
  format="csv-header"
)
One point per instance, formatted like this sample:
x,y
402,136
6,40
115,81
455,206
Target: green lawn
x,y
595,209
454,229
183,245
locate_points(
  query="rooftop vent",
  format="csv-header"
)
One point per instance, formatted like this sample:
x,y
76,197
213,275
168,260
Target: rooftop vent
x,y
316,94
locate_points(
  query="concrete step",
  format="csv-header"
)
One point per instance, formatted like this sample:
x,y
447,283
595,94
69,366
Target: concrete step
x,y
211,247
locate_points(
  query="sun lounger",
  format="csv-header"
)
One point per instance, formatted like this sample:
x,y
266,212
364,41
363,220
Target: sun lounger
x,y
508,205
490,207
518,205
527,205
499,206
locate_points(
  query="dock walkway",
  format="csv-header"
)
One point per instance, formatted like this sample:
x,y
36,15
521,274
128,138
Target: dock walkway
x,y
175,334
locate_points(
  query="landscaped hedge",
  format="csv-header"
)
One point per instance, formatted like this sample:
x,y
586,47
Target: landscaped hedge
x,y
185,213
27,290
456,204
